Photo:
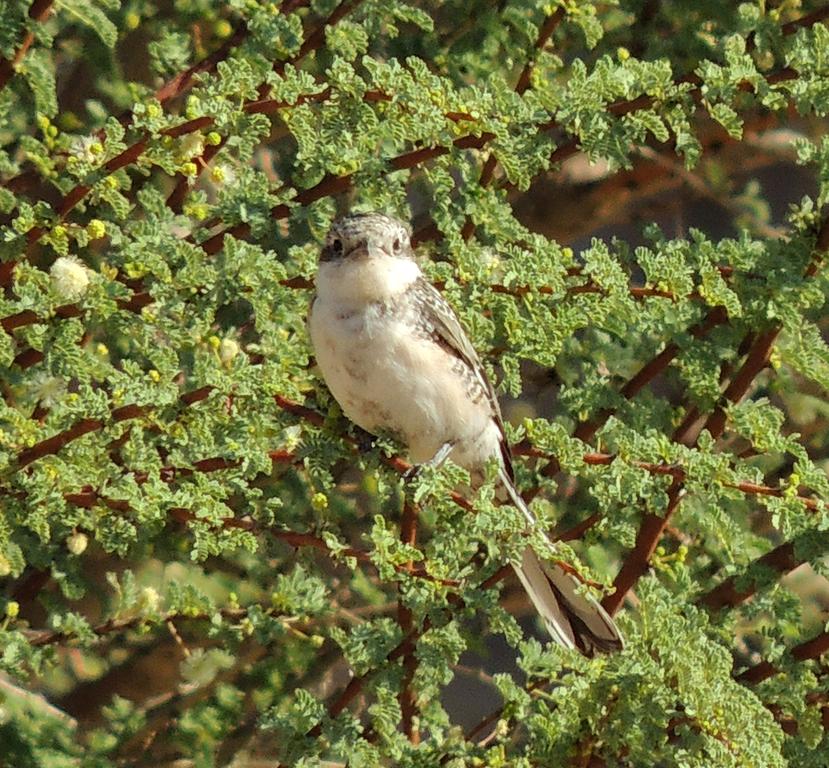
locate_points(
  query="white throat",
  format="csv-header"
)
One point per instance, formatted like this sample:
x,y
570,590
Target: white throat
x,y
362,280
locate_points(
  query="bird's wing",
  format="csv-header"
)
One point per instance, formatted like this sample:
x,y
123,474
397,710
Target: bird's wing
x,y
573,618
446,330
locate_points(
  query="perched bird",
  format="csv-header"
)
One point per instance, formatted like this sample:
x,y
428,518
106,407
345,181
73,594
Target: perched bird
x,y
395,357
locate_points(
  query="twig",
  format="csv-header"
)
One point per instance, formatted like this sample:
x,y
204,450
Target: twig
x,y
809,649
781,559
488,171
41,637
407,696
653,526
637,560
312,42
39,12
646,374
716,316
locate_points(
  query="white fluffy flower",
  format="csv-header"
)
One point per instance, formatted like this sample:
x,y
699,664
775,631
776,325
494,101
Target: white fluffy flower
x,y
49,390
70,278
86,148
191,145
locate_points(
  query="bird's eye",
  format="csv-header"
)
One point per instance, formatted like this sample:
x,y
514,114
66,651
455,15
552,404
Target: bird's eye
x,y
396,245
333,250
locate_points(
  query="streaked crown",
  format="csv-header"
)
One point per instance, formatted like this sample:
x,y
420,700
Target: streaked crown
x,y
359,233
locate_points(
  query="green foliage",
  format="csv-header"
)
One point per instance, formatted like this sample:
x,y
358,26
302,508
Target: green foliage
x,y
200,561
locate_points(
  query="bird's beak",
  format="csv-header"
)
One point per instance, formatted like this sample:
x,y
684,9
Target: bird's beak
x,y
359,251
365,251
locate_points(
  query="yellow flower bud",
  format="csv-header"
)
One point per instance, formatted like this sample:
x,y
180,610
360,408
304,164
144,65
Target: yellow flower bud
x,y
96,229
222,29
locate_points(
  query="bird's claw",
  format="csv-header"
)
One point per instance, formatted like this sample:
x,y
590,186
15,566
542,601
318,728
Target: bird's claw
x,y
365,440
412,472
434,463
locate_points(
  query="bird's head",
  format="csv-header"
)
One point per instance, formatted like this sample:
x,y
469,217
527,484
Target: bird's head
x,y
362,235
367,257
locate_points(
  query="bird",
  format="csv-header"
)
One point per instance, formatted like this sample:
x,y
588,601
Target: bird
x,y
396,358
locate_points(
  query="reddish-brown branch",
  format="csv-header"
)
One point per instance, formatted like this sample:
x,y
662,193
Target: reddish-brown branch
x,y
317,38
356,684
578,530
809,20
757,360
646,374
312,41
688,431
781,559
647,538
488,171
716,316
52,445
653,526
28,317
407,697
39,12
544,34
181,82
810,649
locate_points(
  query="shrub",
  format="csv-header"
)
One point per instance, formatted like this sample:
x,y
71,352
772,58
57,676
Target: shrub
x,y
201,559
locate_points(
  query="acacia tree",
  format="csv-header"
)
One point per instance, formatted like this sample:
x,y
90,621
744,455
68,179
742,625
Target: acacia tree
x,y
202,561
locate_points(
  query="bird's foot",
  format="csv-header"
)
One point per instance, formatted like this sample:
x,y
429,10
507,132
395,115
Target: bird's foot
x,y
436,461
365,440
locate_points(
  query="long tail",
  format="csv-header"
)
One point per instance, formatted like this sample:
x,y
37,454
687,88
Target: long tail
x,y
573,618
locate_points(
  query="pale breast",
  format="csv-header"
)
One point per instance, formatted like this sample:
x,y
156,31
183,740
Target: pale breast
x,y
388,377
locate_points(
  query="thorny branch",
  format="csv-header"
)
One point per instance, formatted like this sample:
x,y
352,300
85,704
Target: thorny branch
x,y
488,171
38,13
653,526
407,696
724,594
